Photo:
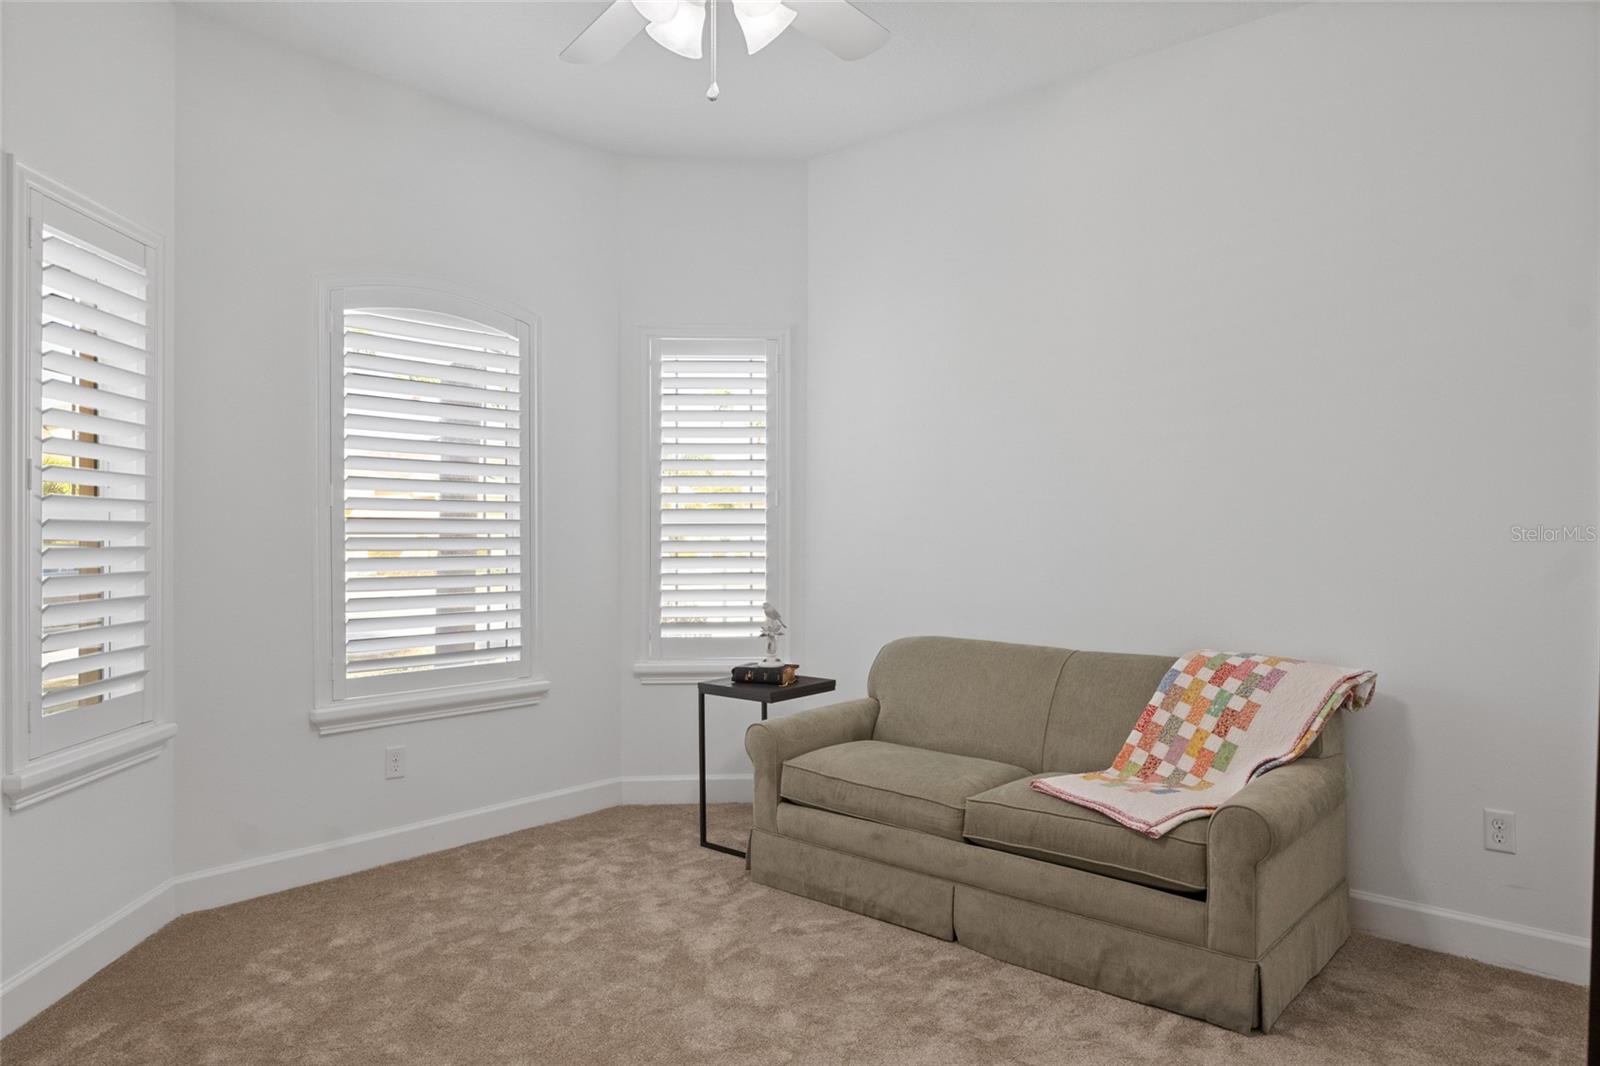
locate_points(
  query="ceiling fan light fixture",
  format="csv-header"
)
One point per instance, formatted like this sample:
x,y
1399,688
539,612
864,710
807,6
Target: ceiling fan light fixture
x,y
682,32
656,10
680,27
761,22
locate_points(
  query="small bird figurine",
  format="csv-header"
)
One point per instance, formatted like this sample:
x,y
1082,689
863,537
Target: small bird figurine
x,y
774,625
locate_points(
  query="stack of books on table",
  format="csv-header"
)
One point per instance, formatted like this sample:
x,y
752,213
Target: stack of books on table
x,y
756,674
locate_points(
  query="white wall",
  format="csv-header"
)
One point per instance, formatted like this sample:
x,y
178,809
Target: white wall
x,y
287,168
1263,341
1307,305
106,132
711,245
290,167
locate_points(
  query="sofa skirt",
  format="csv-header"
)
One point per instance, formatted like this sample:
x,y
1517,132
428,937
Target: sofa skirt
x,y
1217,988
1302,952
875,889
1226,990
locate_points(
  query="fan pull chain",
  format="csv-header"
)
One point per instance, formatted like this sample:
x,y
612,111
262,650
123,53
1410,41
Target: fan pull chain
x,y
713,92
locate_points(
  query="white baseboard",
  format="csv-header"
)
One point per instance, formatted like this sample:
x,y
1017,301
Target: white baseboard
x,y
1519,947
71,964
218,886
685,788
74,962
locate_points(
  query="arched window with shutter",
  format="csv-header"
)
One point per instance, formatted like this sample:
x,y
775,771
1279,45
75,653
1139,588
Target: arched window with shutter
x,y
430,560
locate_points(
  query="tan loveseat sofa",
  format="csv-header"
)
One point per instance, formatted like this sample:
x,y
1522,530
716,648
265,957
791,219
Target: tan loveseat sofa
x,y
913,806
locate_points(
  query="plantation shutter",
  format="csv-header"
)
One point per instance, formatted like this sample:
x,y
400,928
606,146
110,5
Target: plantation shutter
x,y
94,468
712,490
433,422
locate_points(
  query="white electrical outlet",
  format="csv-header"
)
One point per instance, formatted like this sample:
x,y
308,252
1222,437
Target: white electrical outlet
x,y
394,762
1500,830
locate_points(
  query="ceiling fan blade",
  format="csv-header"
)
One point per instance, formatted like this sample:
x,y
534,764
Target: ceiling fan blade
x,y
839,26
616,26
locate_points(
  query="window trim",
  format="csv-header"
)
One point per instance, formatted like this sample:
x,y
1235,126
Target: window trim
x,y
525,684
32,774
654,665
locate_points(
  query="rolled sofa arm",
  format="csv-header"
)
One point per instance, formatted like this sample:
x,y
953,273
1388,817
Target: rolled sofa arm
x,y
1274,850
772,743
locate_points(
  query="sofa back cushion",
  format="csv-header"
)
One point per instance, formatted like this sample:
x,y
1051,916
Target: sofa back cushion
x,y
1048,710
968,697
1098,697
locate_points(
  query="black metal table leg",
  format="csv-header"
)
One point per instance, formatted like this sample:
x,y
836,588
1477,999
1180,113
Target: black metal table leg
x,y
765,695
704,843
702,769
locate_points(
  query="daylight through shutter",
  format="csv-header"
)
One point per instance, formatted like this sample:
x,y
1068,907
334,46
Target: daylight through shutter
x,y
433,504
93,481
712,486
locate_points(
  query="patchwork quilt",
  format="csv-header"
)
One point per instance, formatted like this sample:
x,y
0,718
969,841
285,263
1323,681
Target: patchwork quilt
x,y
1216,721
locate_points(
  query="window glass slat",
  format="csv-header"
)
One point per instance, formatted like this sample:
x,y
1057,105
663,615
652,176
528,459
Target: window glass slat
x,y
94,474
430,454
711,486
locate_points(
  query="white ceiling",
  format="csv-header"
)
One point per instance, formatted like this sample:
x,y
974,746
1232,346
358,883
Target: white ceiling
x,y
793,100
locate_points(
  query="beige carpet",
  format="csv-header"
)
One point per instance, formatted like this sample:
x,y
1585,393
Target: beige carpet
x,y
612,939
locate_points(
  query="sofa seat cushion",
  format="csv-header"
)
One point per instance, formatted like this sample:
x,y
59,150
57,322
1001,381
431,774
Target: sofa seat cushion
x,y
1015,818
890,783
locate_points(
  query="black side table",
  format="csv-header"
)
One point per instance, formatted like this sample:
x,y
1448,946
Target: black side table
x,y
762,694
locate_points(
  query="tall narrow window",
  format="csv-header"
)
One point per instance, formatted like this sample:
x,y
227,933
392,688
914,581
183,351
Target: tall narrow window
x,y
715,476
432,493
86,381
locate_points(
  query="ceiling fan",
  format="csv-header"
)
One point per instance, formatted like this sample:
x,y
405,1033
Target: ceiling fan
x,y
679,26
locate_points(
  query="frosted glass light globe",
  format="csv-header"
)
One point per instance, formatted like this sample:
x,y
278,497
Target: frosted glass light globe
x,y
656,10
681,33
761,30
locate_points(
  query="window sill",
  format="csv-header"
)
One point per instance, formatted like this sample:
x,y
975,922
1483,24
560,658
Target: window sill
x,y
52,775
372,712
685,671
